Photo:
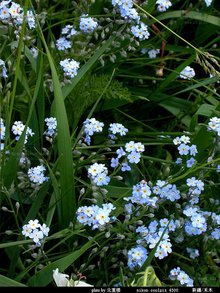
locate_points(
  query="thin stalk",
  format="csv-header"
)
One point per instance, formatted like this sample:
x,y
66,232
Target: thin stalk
x,y
170,30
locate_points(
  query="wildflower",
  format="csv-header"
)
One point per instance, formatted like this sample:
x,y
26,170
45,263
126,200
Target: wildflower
x,y
129,13
63,280
18,128
4,11
2,129
214,125
90,127
101,179
198,220
114,162
174,273
51,123
134,157
3,68
141,194
87,24
30,19
216,233
117,128
60,279
125,167
184,279
94,215
153,53
15,10
168,191
128,208
130,146
208,2
179,161
36,174
160,253
140,31
163,5
187,73
98,173
190,162
183,149
34,52
70,67
177,140
68,31
185,139
120,152
181,276
193,150
193,252
35,231
63,44
137,256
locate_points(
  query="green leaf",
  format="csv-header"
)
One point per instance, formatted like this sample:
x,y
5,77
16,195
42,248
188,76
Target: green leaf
x,y
7,282
45,276
87,66
68,201
192,15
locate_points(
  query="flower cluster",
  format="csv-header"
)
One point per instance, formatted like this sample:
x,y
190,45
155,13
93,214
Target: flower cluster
x,y
152,53
137,256
12,13
18,128
181,276
131,154
87,24
3,69
2,129
163,5
99,174
214,125
62,44
128,12
36,174
35,231
95,216
70,67
140,31
141,194
157,233
187,73
51,123
166,191
185,149
90,127
116,128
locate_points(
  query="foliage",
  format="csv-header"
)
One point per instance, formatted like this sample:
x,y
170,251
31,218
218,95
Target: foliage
x,y
109,155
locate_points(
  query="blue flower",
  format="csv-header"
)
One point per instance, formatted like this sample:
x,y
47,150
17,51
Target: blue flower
x,y
137,256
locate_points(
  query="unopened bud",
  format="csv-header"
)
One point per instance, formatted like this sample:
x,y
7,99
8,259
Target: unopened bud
x,y
8,232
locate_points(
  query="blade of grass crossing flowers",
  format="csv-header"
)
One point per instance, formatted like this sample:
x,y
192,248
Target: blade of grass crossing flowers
x,y
68,202
87,66
152,253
